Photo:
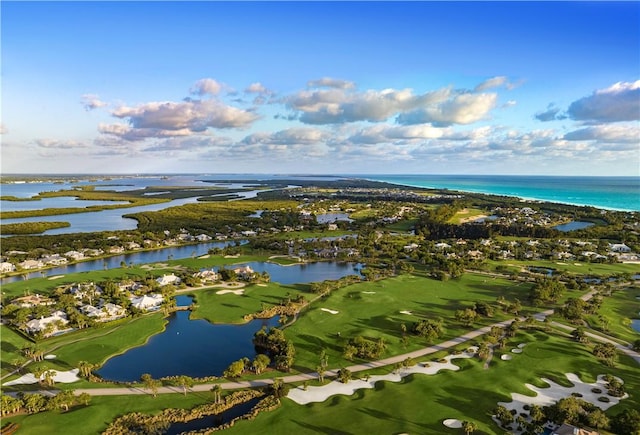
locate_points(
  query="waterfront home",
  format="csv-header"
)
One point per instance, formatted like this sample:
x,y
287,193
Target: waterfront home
x,y
31,264
568,429
207,275
168,279
7,267
54,260
147,302
74,255
203,238
245,272
116,250
55,322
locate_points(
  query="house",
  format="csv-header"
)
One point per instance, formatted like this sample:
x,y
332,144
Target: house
x,y
244,272
32,301
31,264
168,279
147,302
411,247
57,320
619,247
54,260
74,255
203,238
108,312
207,275
116,250
6,267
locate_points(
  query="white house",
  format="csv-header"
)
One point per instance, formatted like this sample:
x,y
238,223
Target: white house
x,y
619,247
74,255
5,267
108,312
207,275
147,302
167,279
31,264
244,272
56,319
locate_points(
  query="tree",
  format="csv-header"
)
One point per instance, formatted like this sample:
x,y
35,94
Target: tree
x,y
598,419
579,335
503,414
279,388
184,382
34,403
469,427
85,368
217,393
466,316
84,398
260,362
234,370
484,351
605,352
344,375
48,378
150,384
62,400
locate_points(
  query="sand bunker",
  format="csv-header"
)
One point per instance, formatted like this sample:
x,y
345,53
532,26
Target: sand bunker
x,y
322,393
516,350
406,312
505,357
521,345
555,392
330,311
232,256
452,423
51,278
60,377
204,256
369,293
50,356
235,292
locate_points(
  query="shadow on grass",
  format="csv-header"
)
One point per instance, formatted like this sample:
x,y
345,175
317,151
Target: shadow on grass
x,y
320,429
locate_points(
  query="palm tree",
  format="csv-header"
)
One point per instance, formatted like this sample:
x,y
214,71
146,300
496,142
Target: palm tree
x,y
185,382
150,384
217,393
85,368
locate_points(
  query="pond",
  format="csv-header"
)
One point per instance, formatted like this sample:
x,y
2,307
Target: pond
x,y
304,273
573,225
213,420
194,348
543,270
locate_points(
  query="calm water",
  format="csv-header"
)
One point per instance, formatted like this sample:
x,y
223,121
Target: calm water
x,y
213,420
194,348
619,193
635,325
572,226
176,253
304,273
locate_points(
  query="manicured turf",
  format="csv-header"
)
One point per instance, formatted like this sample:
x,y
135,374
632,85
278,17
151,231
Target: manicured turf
x,y
11,345
373,310
421,403
571,267
622,306
93,419
230,308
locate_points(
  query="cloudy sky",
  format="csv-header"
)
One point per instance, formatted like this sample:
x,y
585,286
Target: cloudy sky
x,y
328,87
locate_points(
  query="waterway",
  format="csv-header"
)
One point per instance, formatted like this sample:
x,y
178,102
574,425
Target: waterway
x,y
213,420
194,348
305,272
142,257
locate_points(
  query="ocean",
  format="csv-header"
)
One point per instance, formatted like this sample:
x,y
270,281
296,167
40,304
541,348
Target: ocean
x,y
613,193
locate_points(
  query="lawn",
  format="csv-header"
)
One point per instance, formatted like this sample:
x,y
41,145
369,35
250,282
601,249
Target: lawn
x,y
373,310
231,308
571,267
420,403
618,309
467,215
11,345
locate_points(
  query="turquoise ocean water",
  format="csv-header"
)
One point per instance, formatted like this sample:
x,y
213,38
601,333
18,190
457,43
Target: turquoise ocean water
x,y
616,193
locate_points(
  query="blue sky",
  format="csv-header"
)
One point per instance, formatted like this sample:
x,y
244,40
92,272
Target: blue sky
x,y
327,87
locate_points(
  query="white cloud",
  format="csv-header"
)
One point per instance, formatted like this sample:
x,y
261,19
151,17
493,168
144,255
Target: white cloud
x,y
59,144
91,102
128,133
3,129
328,82
291,136
461,109
257,88
611,133
552,113
195,116
619,102
206,87
386,133
494,82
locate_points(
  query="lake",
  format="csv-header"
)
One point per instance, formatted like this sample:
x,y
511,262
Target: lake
x,y
194,348
572,226
305,272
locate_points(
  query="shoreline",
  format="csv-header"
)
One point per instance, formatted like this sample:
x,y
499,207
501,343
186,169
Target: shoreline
x,y
521,198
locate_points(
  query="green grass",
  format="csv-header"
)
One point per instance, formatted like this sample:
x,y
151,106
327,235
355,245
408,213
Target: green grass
x,y
95,418
378,315
571,267
230,308
420,403
622,306
11,344
94,345
466,215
